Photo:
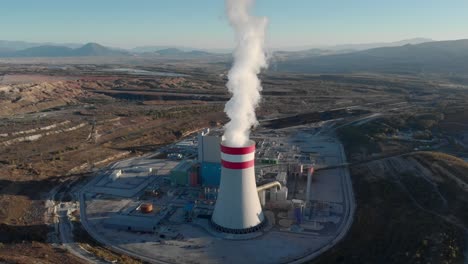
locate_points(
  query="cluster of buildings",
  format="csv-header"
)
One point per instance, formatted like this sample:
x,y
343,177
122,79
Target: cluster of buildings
x,y
268,182
255,177
264,191
206,170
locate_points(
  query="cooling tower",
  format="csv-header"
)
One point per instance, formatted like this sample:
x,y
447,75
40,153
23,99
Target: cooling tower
x,y
237,208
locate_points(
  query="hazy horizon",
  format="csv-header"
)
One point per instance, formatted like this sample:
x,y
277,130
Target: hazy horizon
x,y
203,25
181,46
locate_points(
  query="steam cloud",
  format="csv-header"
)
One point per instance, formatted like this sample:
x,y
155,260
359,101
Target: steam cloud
x,y
249,59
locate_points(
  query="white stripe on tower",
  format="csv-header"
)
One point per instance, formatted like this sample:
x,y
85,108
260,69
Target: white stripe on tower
x,y
238,158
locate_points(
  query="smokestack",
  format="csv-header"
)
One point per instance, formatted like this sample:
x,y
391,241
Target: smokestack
x,y
237,208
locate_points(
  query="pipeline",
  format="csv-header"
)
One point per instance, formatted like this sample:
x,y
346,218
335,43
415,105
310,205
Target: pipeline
x,y
269,185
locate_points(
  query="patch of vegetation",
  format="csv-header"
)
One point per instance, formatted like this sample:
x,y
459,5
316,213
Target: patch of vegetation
x,y
453,191
356,139
425,121
18,234
388,228
424,192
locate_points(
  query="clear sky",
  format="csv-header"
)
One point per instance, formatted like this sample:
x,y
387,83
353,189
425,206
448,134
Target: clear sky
x,y
202,23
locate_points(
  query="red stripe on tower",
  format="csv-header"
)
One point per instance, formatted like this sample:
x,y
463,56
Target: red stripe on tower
x,y
237,165
238,151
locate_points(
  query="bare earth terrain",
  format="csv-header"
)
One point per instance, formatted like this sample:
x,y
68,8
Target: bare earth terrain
x,y
405,138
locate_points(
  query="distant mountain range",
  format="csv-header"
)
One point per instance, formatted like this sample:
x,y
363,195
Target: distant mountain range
x,y
156,48
340,49
21,45
365,46
90,49
422,57
146,49
428,57
354,46
178,52
10,46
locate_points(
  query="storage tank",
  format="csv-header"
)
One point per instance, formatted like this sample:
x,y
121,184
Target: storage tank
x,y
146,208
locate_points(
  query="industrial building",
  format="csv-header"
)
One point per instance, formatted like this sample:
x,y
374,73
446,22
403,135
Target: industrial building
x,y
210,173
209,149
223,195
209,157
180,174
115,175
213,173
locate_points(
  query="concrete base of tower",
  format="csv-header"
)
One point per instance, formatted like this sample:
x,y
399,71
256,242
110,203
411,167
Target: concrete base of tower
x,y
242,231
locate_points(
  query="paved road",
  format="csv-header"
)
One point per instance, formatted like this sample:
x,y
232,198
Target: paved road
x,y
102,240
64,226
66,237
348,217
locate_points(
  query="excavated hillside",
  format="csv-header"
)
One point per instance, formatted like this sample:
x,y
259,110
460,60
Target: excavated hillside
x,y
27,98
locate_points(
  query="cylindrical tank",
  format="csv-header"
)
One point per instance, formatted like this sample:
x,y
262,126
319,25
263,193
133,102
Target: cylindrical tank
x,y
146,208
238,208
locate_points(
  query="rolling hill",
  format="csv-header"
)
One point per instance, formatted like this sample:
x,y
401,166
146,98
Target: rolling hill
x,y
180,52
94,49
90,49
429,57
366,46
43,51
21,45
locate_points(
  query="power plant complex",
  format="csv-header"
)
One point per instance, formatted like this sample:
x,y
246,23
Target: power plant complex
x,y
203,197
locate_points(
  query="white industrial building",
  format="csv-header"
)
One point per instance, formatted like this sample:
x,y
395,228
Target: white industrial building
x,y
209,147
279,195
115,175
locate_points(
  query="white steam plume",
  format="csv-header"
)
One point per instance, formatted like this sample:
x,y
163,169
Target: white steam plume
x,y
249,59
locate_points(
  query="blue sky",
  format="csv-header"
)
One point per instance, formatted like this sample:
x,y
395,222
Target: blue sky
x,y
202,23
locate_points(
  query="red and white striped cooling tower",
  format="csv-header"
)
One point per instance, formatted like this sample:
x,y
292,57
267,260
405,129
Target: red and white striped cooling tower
x,y
238,208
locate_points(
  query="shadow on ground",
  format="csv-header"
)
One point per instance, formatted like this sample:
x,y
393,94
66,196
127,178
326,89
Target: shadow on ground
x,y
20,234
